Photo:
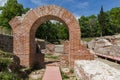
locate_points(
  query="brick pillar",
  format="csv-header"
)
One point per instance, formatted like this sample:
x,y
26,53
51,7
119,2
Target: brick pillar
x,y
21,48
66,47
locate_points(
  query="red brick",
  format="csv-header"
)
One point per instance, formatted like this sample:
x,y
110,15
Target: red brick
x,y
24,29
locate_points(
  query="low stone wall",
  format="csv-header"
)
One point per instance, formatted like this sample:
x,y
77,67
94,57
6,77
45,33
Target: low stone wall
x,y
6,43
52,48
59,48
95,70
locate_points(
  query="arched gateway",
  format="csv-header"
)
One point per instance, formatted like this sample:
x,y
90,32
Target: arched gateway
x,y
24,29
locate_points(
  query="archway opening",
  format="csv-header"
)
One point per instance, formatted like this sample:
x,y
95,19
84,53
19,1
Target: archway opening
x,y
49,42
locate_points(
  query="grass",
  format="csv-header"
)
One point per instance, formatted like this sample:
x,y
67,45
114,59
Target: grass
x,y
8,76
68,76
51,56
64,76
87,39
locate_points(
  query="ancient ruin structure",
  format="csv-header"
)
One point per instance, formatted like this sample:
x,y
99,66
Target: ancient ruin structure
x,y
24,29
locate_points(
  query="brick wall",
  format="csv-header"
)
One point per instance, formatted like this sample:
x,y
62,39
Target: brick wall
x,y
6,43
24,29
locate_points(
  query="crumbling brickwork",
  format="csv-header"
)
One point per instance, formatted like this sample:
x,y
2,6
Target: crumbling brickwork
x,y
66,47
24,29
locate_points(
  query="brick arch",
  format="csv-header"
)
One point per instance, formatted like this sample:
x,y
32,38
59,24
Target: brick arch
x,y
24,29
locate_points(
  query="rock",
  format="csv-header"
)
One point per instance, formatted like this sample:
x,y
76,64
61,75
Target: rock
x,y
91,44
108,45
66,70
50,48
13,67
36,75
15,59
95,70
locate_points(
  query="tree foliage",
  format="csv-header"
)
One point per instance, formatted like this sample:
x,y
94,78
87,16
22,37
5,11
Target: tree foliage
x,y
11,9
52,31
106,23
115,19
89,26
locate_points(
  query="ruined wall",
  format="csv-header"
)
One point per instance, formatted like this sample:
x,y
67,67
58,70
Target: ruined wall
x,y
24,28
66,47
52,48
6,43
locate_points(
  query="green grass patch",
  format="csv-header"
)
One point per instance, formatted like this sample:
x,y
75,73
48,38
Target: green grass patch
x,y
51,56
8,76
88,39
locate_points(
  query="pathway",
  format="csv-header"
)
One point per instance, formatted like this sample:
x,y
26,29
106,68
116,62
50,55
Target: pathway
x,y
52,73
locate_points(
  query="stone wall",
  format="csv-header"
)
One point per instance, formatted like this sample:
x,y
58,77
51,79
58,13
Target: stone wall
x,y
52,48
59,48
6,43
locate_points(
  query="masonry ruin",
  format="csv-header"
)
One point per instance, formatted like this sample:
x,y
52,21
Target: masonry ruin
x,y
24,29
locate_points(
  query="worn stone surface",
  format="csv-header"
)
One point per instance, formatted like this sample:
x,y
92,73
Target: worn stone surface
x,y
108,45
95,70
50,48
24,29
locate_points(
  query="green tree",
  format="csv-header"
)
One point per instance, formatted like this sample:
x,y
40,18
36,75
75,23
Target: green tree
x,y
84,25
115,19
104,22
94,27
52,31
11,9
89,26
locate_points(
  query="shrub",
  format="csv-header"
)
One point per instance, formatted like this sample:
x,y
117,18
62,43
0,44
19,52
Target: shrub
x,y
8,76
5,54
4,62
64,76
